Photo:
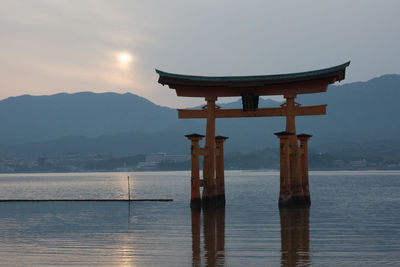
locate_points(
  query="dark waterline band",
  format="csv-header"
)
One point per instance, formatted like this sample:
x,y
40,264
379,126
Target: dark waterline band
x,y
89,200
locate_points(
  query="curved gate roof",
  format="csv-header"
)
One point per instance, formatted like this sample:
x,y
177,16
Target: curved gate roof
x,y
278,84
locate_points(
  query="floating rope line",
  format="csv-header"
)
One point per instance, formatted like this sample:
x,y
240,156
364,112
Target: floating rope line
x,y
129,190
89,200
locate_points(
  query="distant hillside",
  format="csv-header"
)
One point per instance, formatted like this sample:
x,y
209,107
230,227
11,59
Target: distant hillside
x,y
40,118
117,145
128,124
357,112
171,139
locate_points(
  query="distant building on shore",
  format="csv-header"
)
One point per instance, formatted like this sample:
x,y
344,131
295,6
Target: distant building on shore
x,y
358,163
153,160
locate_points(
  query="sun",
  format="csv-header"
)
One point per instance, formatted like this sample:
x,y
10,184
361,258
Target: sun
x,y
124,60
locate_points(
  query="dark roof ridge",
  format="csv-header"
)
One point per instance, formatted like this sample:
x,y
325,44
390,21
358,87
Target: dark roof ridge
x,y
254,77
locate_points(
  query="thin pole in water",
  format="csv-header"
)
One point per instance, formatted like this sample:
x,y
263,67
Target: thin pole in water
x,y
129,190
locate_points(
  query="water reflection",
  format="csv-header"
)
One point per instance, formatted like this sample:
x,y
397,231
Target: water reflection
x,y
295,237
214,237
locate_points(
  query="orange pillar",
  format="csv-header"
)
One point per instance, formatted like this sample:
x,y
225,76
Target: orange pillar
x,y
220,175
295,169
304,166
209,189
285,194
290,115
195,201
295,174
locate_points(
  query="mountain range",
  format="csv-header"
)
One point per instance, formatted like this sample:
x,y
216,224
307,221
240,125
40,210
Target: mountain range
x,y
127,124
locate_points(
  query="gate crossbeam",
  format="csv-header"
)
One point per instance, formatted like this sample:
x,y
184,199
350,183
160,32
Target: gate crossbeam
x,y
260,112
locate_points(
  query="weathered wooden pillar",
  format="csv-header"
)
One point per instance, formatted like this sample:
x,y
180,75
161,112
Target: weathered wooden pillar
x,y
195,216
290,115
304,166
209,189
297,197
195,200
297,176
285,194
220,171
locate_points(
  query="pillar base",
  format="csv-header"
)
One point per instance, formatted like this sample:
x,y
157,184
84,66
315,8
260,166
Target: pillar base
x,y
308,200
307,194
208,202
195,203
294,201
220,201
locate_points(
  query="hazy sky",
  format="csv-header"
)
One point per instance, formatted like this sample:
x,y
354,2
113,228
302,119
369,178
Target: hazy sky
x,y
52,46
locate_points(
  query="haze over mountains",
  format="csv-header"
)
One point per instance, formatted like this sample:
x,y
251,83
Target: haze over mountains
x,y
126,124
40,118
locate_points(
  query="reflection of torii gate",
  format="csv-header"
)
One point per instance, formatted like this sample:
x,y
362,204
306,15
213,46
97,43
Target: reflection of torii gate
x,y
293,158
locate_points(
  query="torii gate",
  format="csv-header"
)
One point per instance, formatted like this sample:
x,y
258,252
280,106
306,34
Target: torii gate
x,y
293,157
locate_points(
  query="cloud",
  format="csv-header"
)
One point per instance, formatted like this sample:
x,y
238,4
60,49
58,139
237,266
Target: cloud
x,y
52,45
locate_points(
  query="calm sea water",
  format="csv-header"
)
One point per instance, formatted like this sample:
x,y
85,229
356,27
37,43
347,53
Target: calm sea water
x,y
354,220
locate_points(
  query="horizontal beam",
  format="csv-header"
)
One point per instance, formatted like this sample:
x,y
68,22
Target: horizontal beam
x,y
310,110
260,112
302,87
